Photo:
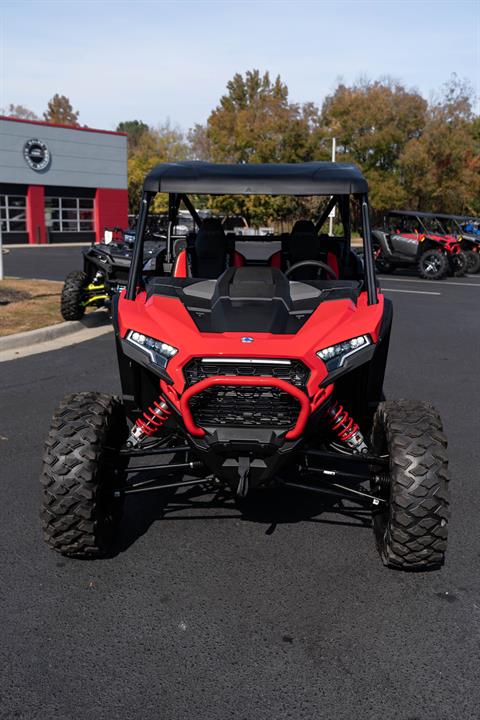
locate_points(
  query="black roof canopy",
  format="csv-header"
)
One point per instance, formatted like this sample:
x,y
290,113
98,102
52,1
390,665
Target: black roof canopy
x,y
418,213
312,178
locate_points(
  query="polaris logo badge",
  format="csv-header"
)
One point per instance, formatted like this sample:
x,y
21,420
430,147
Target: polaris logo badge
x,y
247,339
36,155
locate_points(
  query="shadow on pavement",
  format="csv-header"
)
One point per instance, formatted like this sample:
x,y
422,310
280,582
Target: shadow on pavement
x,y
269,507
97,318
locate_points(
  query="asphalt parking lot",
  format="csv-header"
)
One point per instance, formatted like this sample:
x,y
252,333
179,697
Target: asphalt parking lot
x,y
51,262
284,613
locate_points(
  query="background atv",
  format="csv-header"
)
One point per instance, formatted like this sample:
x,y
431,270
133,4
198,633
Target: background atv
x,y
240,376
463,229
105,270
410,239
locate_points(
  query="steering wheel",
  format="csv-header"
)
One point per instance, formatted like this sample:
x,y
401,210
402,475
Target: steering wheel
x,y
314,263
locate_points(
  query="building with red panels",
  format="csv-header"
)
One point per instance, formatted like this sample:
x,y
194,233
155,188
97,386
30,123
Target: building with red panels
x,y
60,183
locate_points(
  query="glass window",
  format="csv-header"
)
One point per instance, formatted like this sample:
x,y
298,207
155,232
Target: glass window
x,y
16,214
13,213
69,226
15,201
17,226
70,214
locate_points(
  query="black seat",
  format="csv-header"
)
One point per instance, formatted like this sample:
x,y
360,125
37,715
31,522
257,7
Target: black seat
x,y
302,244
210,252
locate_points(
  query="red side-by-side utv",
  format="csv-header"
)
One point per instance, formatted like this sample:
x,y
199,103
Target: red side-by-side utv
x,y
243,372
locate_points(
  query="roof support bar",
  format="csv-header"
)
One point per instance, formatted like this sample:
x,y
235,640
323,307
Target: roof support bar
x,y
173,205
134,275
344,207
368,253
189,205
326,212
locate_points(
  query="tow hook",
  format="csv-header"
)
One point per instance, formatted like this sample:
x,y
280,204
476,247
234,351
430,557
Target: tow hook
x,y
243,476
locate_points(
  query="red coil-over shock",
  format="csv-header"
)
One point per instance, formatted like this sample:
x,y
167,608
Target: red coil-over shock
x,y
151,421
346,429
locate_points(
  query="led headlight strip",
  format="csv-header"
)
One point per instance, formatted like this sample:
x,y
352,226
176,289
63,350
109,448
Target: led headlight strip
x,y
334,356
159,351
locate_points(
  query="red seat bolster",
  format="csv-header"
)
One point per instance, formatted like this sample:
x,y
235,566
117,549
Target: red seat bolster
x,y
333,262
180,269
276,260
238,259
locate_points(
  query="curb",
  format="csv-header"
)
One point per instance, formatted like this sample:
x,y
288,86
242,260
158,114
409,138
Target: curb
x,y
21,246
51,332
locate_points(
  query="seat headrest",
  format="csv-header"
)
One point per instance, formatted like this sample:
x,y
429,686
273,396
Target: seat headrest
x,y
304,226
211,240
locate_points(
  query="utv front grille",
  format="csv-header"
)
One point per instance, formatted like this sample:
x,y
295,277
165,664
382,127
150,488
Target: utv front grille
x,y
293,371
244,406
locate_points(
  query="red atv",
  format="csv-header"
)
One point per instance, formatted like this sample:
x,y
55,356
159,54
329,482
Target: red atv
x,y
240,375
414,239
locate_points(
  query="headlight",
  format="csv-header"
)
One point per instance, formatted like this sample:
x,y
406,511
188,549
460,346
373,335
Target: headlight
x,y
335,355
159,352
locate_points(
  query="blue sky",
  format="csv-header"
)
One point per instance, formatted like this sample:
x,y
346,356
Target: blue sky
x,y
157,60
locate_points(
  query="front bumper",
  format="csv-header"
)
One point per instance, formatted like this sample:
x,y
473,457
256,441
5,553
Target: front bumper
x,y
241,381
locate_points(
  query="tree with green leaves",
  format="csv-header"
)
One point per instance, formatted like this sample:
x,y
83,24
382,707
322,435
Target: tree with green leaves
x,y
441,168
255,122
60,111
135,130
372,122
163,144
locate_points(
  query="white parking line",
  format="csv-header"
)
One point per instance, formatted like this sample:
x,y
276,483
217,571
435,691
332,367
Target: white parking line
x,y
437,282
412,292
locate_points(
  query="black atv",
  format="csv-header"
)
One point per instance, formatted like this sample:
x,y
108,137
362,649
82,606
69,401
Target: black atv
x,y
413,239
105,269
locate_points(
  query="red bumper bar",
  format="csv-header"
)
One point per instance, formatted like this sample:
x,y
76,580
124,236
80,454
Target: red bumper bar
x,y
299,395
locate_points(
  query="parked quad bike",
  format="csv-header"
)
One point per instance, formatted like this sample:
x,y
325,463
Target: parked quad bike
x,y
238,375
105,273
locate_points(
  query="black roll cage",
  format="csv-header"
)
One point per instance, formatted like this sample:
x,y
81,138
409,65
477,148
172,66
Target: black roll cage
x,y
175,200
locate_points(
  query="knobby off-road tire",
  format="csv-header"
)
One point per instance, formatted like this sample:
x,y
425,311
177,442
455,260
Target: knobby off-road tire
x,y
432,265
81,471
382,265
411,530
71,306
459,264
473,261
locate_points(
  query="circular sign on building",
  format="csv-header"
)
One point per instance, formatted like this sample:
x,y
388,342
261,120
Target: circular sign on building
x,y
36,154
